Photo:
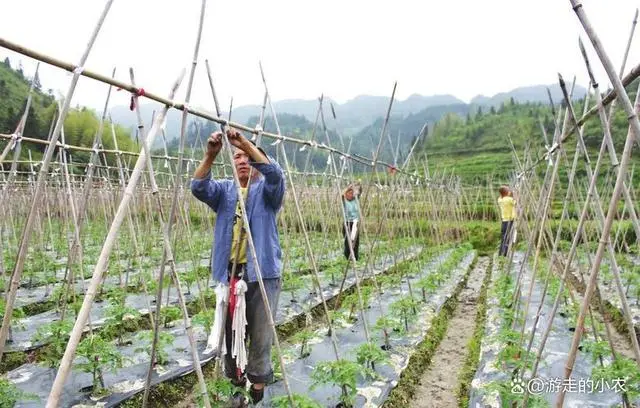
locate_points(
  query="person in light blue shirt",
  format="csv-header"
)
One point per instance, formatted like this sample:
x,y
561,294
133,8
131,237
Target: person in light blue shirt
x,y
263,202
352,214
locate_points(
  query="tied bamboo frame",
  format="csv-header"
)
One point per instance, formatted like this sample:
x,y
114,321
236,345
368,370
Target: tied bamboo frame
x,y
414,145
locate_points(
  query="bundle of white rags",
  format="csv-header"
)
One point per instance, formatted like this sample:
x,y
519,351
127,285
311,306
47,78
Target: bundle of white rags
x,y
222,296
239,325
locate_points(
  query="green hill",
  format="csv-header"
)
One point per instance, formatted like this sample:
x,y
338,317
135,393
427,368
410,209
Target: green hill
x,y
14,88
81,124
477,146
469,140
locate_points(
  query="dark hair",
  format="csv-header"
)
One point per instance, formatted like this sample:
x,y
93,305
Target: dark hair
x,y
259,148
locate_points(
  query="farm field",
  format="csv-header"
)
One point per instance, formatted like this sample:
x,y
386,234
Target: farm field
x,y
382,252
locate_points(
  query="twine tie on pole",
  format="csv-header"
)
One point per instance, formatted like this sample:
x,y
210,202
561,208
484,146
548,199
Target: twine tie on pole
x,y
15,139
549,153
134,96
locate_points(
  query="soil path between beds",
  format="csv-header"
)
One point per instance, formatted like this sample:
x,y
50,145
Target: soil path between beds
x,y
438,384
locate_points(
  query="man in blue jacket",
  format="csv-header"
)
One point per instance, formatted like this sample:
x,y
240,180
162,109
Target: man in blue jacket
x,y
263,195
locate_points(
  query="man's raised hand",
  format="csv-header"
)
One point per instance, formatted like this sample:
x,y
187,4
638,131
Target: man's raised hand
x,y
214,143
236,138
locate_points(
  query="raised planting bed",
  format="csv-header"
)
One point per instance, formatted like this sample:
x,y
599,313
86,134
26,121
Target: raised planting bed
x,y
26,297
24,329
316,374
128,379
504,371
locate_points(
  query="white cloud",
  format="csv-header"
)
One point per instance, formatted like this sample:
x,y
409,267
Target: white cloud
x,y
339,48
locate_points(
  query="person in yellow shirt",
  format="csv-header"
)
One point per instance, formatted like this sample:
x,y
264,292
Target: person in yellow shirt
x,y
507,205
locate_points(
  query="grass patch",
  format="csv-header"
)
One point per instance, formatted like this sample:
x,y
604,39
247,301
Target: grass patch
x,y
12,360
484,236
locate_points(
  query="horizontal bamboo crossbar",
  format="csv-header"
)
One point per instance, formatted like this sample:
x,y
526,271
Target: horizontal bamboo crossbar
x,y
196,112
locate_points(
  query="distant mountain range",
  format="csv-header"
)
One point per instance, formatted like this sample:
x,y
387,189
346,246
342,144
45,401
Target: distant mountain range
x,y
359,113
535,93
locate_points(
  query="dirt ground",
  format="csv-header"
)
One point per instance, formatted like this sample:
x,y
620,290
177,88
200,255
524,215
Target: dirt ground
x,y
438,385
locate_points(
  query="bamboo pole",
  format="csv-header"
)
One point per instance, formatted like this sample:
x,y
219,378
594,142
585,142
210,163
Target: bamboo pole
x,y
303,226
545,210
16,144
569,192
172,213
600,217
540,208
200,113
349,243
382,132
76,249
26,234
74,339
371,251
17,135
168,258
624,162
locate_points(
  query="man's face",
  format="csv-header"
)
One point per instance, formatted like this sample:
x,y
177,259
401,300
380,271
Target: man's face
x,y
349,195
241,161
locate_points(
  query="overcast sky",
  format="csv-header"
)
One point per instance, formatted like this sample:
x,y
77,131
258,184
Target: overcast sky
x,y
341,48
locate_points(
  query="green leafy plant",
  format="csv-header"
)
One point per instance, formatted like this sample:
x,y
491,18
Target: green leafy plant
x,y
189,279
56,335
352,302
99,355
302,337
17,314
341,373
334,271
605,271
631,278
597,349
221,391
624,369
118,315
389,281
404,309
10,394
512,356
291,283
427,285
510,398
368,354
164,340
170,314
204,319
503,290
